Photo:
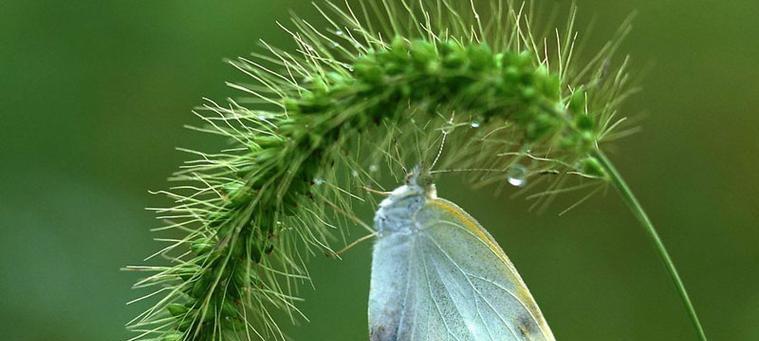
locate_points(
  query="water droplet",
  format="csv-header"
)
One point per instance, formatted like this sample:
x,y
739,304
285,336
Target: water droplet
x,y
354,174
517,175
373,169
335,45
339,32
319,181
475,124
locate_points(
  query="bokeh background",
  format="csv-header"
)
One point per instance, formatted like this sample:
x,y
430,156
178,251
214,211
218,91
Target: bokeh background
x,y
93,96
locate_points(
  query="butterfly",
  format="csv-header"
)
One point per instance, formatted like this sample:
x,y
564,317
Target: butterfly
x,y
438,275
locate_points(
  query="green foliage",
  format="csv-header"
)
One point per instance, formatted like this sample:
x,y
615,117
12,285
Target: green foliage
x,y
318,124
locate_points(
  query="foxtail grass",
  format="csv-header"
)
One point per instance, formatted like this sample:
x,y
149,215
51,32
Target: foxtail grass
x,y
457,87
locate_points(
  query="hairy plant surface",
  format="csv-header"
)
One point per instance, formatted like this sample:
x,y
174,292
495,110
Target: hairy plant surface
x,y
385,86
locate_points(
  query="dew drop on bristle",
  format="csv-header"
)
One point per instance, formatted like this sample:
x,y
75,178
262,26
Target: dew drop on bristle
x,y
517,175
475,124
373,169
339,32
319,181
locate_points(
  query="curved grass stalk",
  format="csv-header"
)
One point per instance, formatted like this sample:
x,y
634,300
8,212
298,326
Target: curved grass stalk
x,y
632,202
389,85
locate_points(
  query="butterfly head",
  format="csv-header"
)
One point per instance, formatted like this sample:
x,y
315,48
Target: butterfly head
x,y
396,212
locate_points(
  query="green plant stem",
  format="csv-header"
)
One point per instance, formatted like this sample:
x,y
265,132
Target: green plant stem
x,y
629,198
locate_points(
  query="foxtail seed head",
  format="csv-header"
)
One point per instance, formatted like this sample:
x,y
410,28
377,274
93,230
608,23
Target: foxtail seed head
x,y
393,83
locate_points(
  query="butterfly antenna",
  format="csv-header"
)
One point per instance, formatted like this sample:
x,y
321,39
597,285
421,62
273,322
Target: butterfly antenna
x,y
442,143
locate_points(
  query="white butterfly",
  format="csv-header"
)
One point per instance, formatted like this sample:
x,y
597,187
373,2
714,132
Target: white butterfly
x,y
438,275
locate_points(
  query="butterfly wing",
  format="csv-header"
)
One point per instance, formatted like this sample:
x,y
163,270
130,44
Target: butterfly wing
x,y
450,281
390,285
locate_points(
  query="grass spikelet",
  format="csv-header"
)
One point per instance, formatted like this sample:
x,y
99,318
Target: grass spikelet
x,y
388,85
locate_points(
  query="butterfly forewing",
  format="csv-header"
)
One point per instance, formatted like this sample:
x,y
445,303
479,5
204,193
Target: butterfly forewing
x,y
449,280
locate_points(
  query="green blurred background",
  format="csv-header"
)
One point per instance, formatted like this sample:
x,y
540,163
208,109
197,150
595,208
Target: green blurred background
x,y
94,95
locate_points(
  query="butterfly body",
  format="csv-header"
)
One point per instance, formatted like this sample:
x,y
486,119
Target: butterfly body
x,y
438,275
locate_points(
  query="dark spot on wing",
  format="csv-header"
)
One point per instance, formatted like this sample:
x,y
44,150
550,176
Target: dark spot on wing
x,y
526,325
381,333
